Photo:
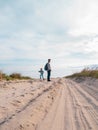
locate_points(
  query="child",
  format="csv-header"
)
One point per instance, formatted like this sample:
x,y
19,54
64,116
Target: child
x,y
41,73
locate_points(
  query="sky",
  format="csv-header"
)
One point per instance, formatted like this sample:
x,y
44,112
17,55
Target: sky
x,y
32,31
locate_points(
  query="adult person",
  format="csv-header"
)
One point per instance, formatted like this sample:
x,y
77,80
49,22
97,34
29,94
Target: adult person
x,y
41,73
48,69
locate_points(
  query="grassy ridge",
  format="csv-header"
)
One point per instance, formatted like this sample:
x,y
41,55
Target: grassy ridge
x,y
12,76
85,73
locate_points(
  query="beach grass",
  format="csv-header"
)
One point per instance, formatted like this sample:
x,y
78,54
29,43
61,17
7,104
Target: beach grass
x,y
85,73
12,76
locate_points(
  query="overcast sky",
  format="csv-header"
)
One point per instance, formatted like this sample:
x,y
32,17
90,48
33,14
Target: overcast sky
x,y
31,31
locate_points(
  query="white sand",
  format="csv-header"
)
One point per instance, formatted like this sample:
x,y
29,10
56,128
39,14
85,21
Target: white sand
x,y
61,104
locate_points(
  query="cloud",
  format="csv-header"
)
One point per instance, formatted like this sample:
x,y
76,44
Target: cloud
x,y
33,31
85,18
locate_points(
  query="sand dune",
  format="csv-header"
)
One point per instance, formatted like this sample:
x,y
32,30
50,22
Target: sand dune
x,y
61,104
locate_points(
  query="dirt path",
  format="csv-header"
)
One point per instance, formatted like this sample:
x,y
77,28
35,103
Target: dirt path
x,y
58,105
84,106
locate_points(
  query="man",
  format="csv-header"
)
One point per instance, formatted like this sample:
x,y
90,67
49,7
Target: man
x,y
48,70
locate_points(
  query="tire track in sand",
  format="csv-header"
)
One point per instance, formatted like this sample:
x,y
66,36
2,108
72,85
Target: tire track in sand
x,y
85,113
55,118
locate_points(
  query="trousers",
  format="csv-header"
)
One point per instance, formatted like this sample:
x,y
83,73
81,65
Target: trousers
x,y
48,75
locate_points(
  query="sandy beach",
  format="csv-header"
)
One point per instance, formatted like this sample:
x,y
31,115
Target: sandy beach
x,y
62,104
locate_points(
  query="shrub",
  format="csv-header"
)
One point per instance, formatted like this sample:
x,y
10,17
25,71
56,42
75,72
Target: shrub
x,y
15,76
85,73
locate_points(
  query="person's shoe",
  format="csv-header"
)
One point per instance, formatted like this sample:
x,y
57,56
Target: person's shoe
x,y
48,80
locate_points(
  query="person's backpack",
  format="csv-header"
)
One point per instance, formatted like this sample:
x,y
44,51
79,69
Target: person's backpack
x,y
46,67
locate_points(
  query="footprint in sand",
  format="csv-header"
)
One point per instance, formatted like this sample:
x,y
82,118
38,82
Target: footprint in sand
x,y
16,103
31,115
22,95
13,93
21,126
32,93
33,124
27,125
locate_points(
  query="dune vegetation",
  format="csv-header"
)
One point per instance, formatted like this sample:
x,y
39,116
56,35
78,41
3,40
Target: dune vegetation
x,y
12,76
85,73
